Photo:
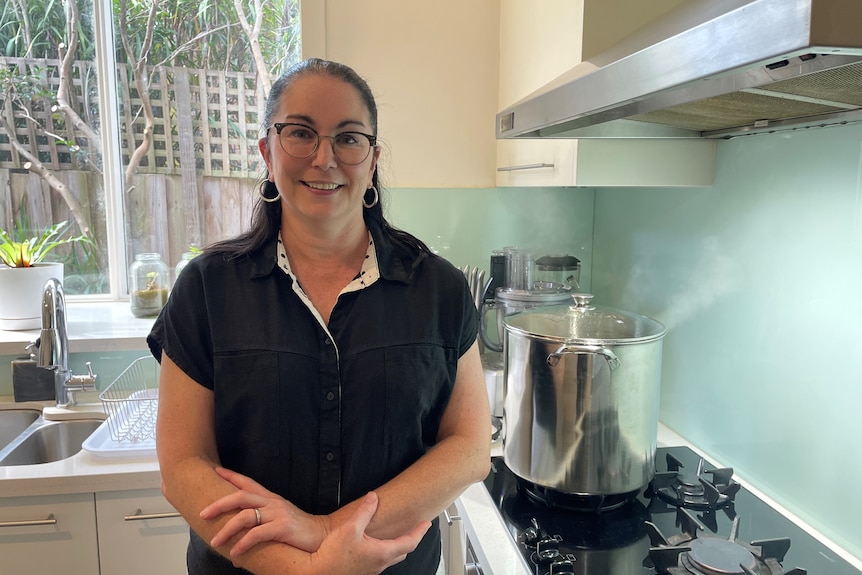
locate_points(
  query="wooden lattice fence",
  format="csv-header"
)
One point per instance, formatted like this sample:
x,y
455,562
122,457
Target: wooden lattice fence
x,y
196,183
212,115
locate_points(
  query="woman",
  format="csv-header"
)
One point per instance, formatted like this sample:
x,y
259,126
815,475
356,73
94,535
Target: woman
x,y
321,396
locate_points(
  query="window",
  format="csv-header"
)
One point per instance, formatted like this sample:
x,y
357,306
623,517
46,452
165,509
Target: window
x,y
142,133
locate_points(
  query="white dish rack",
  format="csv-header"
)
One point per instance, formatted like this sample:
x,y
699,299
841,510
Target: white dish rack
x,y
131,402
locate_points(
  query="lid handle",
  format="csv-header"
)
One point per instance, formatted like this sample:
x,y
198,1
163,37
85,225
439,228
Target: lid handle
x,y
582,299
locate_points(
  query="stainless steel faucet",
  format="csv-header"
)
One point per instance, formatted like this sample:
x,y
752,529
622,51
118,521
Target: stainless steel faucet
x,y
54,347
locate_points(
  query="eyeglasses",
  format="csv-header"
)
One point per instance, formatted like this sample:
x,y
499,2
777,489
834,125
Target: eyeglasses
x,y
301,141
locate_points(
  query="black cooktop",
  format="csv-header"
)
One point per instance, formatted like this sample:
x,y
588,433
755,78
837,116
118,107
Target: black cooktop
x,y
693,518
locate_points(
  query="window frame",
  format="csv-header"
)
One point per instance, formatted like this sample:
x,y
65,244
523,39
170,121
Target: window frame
x,y
112,161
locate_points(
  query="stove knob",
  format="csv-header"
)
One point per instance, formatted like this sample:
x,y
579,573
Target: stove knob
x,y
531,535
548,550
563,567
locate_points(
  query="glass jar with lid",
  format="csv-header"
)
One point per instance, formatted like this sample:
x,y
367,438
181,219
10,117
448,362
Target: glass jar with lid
x,y
149,279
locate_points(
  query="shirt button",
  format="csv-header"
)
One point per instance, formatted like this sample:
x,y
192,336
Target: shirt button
x,y
330,396
329,456
327,341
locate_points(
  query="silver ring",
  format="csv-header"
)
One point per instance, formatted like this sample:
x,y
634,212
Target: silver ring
x,y
257,516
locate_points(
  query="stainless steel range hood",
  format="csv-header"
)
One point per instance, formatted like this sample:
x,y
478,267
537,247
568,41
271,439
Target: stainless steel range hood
x,y
713,69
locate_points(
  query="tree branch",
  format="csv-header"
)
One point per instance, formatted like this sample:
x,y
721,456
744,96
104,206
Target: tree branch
x,y
253,34
68,57
34,165
21,8
139,70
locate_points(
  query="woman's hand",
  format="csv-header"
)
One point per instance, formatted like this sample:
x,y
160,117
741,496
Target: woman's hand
x,y
347,549
280,520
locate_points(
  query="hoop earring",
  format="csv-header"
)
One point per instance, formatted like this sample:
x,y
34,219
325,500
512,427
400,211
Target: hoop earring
x,y
374,202
261,193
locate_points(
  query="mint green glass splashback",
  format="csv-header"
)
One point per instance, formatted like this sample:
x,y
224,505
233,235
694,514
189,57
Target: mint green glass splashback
x,y
465,225
759,281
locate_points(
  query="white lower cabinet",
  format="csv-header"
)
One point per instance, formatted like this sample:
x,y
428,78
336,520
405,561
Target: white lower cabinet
x,y
454,541
48,534
140,533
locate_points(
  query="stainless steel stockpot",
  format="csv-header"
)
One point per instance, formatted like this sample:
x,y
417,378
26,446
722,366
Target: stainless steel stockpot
x,y
581,397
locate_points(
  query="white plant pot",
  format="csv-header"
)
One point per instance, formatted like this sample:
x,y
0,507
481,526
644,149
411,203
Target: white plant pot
x,y
21,294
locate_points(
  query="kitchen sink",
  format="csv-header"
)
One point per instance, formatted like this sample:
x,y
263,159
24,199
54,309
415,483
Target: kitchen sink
x,y
15,421
46,441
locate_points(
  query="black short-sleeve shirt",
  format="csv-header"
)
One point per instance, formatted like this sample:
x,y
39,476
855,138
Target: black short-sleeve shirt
x,y
320,414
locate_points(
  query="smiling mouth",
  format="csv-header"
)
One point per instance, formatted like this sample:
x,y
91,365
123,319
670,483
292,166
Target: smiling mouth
x,y
319,186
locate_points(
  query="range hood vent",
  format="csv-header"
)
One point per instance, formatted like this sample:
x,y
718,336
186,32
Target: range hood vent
x,y
710,69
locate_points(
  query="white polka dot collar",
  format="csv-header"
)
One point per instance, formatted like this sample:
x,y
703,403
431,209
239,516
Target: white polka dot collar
x,y
369,273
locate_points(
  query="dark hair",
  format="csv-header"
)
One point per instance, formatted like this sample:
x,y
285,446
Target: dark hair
x,y
266,219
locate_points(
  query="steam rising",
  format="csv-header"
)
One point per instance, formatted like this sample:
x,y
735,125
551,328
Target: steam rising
x,y
688,287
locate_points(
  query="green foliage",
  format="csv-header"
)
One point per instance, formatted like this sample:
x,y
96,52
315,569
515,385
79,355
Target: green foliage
x,y
47,20
202,34
23,88
25,253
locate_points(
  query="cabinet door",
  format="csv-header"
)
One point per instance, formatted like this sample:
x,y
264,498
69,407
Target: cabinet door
x,y
51,534
140,533
537,44
454,541
433,68
536,162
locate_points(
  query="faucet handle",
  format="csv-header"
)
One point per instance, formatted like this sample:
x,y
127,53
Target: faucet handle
x,y
82,382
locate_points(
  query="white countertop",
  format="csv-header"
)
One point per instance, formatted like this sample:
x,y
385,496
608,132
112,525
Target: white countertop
x,y
91,327
84,472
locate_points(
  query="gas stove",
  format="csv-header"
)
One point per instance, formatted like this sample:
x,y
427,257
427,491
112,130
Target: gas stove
x,y
693,518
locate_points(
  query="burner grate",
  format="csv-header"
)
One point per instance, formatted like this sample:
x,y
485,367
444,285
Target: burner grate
x,y
688,554
695,491
574,502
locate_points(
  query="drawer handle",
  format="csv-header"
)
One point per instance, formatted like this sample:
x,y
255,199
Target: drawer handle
x,y
524,167
141,516
450,519
50,520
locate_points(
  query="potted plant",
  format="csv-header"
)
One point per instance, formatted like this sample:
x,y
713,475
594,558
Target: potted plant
x,y
24,271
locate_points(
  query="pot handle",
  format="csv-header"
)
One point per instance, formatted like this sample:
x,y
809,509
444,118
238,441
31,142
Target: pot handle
x,y
613,360
483,333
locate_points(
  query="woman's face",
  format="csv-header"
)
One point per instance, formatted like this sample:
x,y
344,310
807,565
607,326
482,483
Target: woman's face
x,y
320,188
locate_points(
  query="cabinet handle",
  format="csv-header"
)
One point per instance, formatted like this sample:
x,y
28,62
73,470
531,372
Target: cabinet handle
x,y
524,167
450,519
50,520
141,516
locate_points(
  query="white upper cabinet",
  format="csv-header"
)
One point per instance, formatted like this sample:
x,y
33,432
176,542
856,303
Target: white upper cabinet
x,y
537,44
536,47
433,68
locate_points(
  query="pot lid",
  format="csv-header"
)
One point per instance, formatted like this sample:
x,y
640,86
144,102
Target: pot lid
x,y
557,262
584,322
543,293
